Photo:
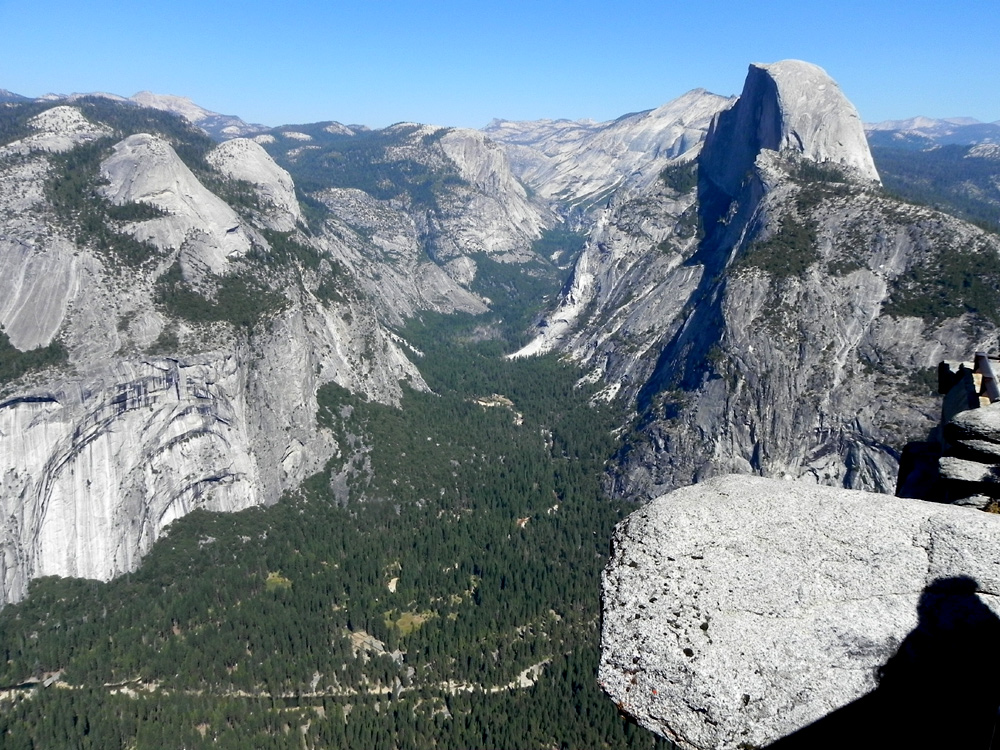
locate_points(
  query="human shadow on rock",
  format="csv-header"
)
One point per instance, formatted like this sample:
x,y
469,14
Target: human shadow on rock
x,y
941,689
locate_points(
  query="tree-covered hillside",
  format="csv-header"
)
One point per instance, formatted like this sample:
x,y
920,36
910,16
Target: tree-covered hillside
x,y
383,163
959,179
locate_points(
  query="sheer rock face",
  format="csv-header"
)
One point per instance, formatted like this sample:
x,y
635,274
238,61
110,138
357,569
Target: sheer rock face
x,y
93,470
37,287
788,106
488,212
628,287
496,217
243,159
742,609
93,467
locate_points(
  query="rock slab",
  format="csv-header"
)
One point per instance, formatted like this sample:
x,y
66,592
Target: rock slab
x,y
740,610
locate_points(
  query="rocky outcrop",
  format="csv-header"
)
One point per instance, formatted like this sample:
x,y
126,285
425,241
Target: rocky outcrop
x,y
977,431
740,610
145,169
961,461
243,159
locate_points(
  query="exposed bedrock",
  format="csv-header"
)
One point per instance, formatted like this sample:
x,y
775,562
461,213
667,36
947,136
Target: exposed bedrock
x,y
741,610
787,106
243,159
145,169
93,470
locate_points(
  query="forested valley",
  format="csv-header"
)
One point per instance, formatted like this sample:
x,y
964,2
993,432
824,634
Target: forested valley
x,y
447,596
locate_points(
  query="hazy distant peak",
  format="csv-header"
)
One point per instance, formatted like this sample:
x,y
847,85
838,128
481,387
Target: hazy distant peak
x,y
500,122
70,98
180,105
928,132
336,128
921,123
10,96
221,127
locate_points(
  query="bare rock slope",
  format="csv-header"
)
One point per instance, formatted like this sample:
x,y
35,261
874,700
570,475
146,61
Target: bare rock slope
x,y
146,169
577,163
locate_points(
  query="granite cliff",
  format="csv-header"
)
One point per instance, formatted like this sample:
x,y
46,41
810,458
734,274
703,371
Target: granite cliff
x,y
172,304
750,302
187,316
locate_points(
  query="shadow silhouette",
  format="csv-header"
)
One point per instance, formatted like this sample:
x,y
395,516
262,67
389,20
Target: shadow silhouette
x,y
940,690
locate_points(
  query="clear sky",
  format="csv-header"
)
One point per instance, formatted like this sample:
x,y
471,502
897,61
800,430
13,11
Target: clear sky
x,y
376,62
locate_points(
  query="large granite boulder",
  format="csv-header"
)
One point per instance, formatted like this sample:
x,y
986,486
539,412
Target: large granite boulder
x,y
741,610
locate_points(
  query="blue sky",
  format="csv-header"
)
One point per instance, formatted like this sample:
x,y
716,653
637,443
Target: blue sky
x,y
377,62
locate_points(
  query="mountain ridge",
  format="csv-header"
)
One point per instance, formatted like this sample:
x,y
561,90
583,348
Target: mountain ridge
x,y
319,315
687,296
697,293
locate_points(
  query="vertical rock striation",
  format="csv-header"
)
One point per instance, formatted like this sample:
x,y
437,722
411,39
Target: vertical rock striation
x,y
94,469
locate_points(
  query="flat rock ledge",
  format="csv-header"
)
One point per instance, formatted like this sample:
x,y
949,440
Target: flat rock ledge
x,y
740,610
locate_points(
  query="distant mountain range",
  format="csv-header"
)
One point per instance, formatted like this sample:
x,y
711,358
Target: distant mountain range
x,y
914,132
218,126
921,133
950,164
